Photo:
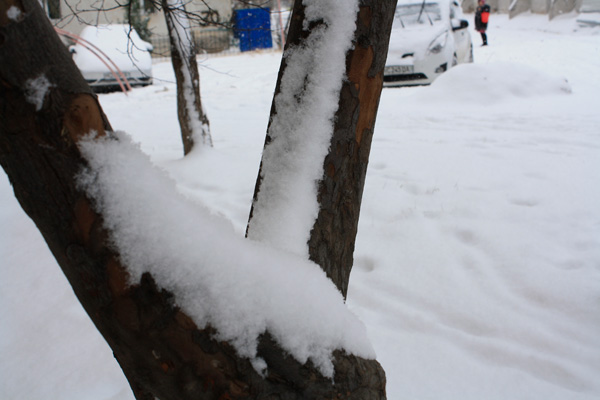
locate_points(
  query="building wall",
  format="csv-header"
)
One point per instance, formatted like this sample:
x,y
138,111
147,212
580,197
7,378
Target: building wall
x,y
497,6
515,7
540,6
75,14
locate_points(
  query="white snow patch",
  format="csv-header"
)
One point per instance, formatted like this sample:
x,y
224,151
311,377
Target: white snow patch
x,y
36,89
286,207
13,13
240,287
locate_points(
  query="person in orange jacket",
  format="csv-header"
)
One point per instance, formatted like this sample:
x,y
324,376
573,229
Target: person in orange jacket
x,y
482,16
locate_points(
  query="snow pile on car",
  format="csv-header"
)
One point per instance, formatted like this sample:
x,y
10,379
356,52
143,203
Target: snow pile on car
x,y
120,43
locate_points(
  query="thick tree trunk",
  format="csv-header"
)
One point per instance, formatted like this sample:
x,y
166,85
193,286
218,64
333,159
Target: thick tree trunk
x,y
193,121
45,108
332,239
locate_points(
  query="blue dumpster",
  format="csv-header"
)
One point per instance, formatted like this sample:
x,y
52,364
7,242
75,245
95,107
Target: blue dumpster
x,y
253,28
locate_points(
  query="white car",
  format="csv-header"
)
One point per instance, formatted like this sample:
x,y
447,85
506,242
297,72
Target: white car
x,y
104,48
427,39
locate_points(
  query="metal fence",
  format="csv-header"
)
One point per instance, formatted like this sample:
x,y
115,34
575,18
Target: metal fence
x,y
211,41
208,41
222,41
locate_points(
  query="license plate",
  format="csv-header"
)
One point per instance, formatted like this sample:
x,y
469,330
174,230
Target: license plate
x,y
109,75
399,69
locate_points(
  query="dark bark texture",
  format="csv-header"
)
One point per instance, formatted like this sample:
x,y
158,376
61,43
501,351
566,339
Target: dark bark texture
x,y
179,60
332,239
45,108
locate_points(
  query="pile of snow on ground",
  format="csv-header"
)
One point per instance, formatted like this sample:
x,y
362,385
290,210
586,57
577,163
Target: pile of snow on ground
x,y
493,83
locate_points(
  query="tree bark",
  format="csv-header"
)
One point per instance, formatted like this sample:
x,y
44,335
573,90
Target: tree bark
x,y
45,108
193,121
332,239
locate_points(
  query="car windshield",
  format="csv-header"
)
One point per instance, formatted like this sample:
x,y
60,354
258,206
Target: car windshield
x,y
416,14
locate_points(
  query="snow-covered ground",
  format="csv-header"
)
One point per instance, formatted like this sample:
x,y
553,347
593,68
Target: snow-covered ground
x,y
477,266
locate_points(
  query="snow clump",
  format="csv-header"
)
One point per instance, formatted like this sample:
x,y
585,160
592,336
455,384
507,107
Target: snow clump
x,y
14,13
35,91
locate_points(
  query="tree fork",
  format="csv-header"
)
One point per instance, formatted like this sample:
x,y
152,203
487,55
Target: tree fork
x,y
45,108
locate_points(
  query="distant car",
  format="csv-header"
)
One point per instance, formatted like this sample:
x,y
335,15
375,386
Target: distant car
x,y
123,46
427,39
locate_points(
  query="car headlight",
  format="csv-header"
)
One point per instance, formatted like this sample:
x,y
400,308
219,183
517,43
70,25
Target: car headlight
x,y
438,43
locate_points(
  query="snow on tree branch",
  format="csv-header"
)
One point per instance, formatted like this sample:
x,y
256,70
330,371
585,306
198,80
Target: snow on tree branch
x,y
301,130
239,287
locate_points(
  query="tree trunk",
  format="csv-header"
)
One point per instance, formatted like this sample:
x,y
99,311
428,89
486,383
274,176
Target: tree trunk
x,y
45,108
192,119
332,239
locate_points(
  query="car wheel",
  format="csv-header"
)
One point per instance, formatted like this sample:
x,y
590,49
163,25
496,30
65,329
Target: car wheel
x,y
454,60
